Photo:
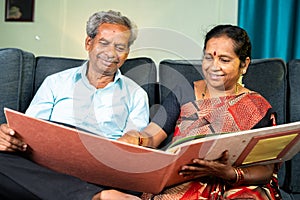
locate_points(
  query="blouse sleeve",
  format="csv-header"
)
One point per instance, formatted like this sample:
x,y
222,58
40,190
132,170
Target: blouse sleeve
x,y
268,120
168,113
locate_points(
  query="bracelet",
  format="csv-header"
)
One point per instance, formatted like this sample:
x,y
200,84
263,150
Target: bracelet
x,y
140,142
240,175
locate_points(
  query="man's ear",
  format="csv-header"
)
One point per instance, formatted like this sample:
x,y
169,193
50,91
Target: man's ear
x,y
127,53
88,43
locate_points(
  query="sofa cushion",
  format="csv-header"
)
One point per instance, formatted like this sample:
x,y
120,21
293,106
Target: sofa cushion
x,y
293,91
143,71
293,109
17,72
178,73
268,77
46,66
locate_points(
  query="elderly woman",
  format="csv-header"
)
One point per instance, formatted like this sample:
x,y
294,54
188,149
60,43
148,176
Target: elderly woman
x,y
219,104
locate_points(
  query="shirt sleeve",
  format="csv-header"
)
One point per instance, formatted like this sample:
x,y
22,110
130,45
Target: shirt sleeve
x,y
139,112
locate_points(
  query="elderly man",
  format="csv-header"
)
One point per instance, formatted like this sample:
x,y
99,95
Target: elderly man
x,y
95,97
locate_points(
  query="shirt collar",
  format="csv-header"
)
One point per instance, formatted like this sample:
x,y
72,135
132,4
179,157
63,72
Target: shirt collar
x,y
82,74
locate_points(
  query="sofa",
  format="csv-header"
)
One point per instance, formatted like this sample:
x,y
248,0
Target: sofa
x,y
22,73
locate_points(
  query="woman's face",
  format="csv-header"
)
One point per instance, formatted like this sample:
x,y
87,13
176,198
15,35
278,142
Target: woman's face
x,y
221,66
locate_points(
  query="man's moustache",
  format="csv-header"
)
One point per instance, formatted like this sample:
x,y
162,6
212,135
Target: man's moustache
x,y
112,60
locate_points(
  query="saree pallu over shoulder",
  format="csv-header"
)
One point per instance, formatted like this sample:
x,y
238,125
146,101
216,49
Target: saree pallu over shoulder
x,y
220,115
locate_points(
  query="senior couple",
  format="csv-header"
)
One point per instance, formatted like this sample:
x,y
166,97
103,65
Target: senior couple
x,y
79,97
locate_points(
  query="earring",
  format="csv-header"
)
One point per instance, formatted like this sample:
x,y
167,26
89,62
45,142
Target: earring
x,y
240,80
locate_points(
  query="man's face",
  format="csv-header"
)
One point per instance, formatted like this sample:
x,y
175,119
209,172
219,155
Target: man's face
x,y
109,49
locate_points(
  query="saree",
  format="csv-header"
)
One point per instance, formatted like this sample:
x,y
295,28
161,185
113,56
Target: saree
x,y
221,115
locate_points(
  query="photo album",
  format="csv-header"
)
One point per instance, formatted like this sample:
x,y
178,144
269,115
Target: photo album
x,y
117,164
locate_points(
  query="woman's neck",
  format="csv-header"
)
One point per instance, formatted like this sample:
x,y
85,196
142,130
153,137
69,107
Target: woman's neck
x,y
204,91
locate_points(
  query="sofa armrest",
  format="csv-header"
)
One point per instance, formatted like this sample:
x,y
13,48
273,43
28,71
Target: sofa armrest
x,y
17,72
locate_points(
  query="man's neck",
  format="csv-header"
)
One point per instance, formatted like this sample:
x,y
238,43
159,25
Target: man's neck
x,y
99,80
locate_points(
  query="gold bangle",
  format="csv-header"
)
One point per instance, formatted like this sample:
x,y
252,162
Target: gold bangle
x,y
240,175
237,176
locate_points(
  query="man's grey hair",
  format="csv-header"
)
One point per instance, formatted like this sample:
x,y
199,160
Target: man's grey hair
x,y
110,17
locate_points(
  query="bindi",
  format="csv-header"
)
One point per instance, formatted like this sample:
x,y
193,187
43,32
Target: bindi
x,y
215,53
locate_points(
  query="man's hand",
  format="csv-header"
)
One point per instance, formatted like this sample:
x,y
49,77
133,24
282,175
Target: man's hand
x,y
131,137
151,136
9,141
114,195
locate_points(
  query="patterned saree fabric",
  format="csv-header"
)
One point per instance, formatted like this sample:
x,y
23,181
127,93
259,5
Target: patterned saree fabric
x,y
220,115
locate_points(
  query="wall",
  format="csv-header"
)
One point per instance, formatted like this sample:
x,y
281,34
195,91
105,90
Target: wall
x,y
168,28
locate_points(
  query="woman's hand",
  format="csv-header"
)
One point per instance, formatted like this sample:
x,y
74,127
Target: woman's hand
x,y
9,141
256,174
219,168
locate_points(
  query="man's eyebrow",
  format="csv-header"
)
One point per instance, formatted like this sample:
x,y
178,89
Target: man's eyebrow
x,y
121,44
103,39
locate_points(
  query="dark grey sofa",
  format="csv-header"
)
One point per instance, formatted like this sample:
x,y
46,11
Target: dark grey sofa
x,y
22,73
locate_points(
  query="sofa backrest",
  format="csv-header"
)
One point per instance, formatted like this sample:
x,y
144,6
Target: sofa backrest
x,y
17,72
292,181
143,71
293,94
178,73
266,76
46,66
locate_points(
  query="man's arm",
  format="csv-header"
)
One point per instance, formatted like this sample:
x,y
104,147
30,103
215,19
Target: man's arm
x,y
42,103
139,115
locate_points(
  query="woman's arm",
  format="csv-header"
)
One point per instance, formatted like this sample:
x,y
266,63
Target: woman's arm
x,y
258,174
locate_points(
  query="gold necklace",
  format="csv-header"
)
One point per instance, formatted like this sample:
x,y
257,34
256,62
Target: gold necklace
x,y
236,90
204,92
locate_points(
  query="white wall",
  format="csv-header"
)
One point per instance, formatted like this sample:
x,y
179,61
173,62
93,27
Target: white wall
x,y
168,28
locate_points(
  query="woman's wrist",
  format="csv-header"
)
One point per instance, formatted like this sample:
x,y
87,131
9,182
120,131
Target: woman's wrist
x,y
239,176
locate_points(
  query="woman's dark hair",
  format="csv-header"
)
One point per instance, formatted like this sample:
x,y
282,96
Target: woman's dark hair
x,y
241,40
